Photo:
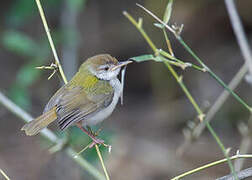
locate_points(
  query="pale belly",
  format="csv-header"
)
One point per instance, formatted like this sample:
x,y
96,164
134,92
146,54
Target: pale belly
x,y
106,112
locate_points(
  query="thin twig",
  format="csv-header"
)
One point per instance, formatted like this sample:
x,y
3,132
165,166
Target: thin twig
x,y
237,156
220,101
241,175
102,162
188,49
239,33
42,15
4,175
50,136
196,132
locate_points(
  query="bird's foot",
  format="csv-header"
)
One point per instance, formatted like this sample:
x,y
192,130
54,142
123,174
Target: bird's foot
x,y
93,135
96,141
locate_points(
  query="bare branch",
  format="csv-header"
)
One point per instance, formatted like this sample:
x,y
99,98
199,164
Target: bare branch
x,y
241,175
239,33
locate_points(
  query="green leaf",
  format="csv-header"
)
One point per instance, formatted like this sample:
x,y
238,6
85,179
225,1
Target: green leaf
x,y
168,11
161,26
146,57
20,12
20,43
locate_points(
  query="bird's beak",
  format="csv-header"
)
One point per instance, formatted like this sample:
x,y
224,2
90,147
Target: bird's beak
x,y
121,64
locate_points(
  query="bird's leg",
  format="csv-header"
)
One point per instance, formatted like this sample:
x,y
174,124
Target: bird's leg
x,y
90,130
95,140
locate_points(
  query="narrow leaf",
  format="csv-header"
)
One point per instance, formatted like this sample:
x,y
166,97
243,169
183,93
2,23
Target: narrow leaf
x,y
20,43
146,57
161,26
168,11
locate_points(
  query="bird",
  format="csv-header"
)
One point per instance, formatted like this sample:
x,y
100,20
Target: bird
x,y
86,100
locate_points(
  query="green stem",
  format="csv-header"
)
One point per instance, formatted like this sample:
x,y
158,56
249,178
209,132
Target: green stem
x,y
152,45
201,116
165,54
188,94
140,29
42,15
224,151
168,42
182,85
238,156
214,75
102,162
177,35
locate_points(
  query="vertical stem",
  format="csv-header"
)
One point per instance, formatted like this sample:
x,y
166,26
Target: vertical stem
x,y
224,151
168,42
102,162
182,85
42,15
201,116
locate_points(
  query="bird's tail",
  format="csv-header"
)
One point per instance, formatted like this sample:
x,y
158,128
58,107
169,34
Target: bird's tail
x,y
36,125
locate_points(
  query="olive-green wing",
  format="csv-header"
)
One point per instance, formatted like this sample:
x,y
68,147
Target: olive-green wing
x,y
73,104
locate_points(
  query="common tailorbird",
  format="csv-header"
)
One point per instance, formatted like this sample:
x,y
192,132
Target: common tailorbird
x,y
87,99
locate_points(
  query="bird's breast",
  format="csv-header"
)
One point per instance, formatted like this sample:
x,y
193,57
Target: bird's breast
x,y
106,111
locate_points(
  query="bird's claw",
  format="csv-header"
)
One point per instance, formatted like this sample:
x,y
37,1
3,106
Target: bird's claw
x,y
96,141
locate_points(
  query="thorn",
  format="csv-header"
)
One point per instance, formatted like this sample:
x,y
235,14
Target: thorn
x,y
44,67
238,152
125,13
180,79
52,67
140,22
228,150
109,149
54,71
201,117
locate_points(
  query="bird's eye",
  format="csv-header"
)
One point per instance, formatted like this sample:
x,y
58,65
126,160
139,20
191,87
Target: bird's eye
x,y
106,68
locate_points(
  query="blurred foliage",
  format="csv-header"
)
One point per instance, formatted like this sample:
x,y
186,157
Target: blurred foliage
x,y
20,43
34,53
22,10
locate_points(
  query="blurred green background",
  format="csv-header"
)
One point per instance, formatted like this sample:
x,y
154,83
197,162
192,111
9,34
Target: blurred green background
x,y
147,131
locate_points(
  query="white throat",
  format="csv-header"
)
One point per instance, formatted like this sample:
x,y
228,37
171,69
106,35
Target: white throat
x,y
104,113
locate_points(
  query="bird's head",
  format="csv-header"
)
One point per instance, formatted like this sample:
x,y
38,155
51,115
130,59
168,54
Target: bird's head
x,y
104,66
